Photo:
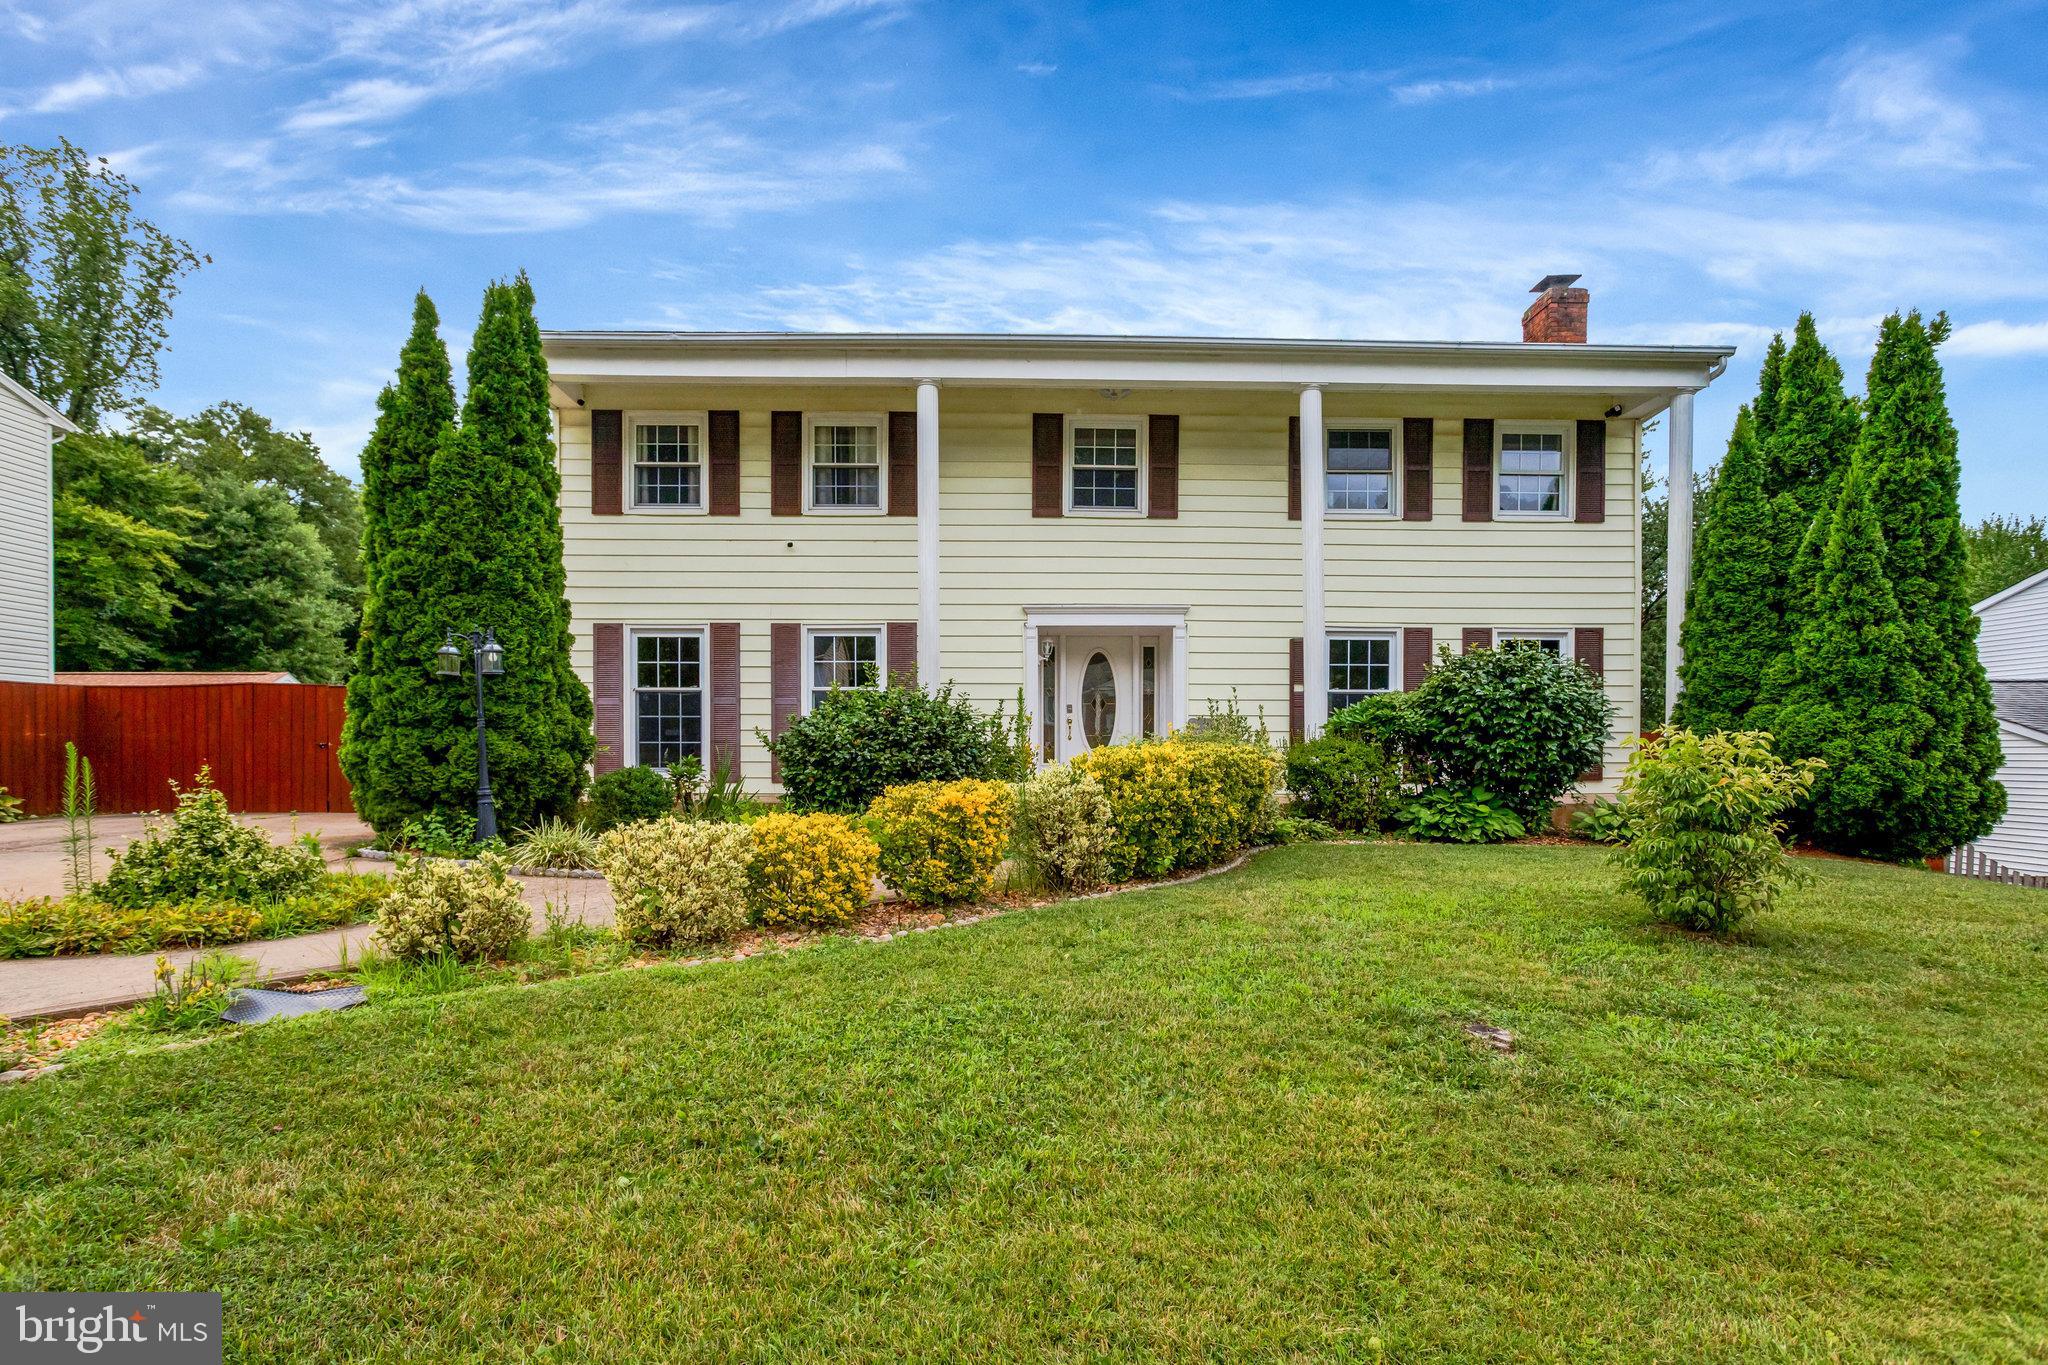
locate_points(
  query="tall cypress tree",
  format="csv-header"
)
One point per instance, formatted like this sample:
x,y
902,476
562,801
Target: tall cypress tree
x,y
496,491
1908,454
397,713
1734,625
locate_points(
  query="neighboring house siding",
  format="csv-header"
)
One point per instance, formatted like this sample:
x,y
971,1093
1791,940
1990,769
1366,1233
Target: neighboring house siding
x,y
25,607
2021,840
2010,642
1231,556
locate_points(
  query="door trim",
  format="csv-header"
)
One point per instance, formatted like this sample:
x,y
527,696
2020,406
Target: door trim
x,y
1171,622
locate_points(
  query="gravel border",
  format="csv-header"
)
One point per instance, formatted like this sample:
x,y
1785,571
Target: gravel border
x,y
378,855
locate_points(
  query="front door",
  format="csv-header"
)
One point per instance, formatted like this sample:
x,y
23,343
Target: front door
x,y
1097,692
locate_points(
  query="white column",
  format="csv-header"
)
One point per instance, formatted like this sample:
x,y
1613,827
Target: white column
x,y
1315,640
1177,671
1678,543
1033,720
929,668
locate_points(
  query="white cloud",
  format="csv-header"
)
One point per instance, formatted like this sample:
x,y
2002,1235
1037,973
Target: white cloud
x,y
1039,69
1428,92
1998,339
1266,87
367,101
127,82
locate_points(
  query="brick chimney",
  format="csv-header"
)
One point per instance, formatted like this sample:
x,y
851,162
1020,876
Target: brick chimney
x,y
1559,313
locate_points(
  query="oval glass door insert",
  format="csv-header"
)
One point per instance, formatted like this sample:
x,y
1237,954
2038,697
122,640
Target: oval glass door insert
x,y
1098,700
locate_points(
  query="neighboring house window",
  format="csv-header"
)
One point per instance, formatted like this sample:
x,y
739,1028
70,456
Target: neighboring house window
x,y
1549,641
1359,665
842,658
846,469
1358,469
668,697
1105,466
668,461
1529,472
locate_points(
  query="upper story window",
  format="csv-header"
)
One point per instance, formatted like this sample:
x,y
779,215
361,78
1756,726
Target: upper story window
x,y
1359,666
1556,642
668,697
668,460
1105,466
842,657
1529,470
1358,469
844,465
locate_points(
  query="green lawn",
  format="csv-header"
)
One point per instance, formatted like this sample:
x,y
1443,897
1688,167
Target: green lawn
x,y
1237,1118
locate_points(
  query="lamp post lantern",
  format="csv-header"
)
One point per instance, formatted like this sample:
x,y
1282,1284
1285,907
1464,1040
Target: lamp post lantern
x,y
486,660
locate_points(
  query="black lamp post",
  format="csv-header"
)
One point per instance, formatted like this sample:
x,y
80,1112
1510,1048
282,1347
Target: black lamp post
x,y
487,660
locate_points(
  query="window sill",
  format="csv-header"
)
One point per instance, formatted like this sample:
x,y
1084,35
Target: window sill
x,y
845,511
661,510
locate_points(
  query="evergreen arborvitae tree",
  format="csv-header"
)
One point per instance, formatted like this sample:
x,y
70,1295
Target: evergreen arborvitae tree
x,y
394,738
1768,382
1734,622
495,492
1907,453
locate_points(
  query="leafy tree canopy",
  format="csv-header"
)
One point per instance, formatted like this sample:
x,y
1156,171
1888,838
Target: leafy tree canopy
x,y
123,525
2002,551
263,592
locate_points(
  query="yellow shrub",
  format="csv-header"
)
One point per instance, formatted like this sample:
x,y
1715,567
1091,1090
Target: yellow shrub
x,y
1182,803
941,842
677,881
437,907
810,870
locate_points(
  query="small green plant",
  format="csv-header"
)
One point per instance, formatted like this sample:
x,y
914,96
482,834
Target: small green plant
x,y
1459,816
1349,783
684,777
627,796
193,999
1226,723
725,797
10,807
437,834
202,853
555,843
1300,829
1064,831
78,812
1602,822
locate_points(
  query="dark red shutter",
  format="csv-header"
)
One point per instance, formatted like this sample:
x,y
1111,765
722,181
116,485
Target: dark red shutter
x,y
608,694
1048,443
901,662
1297,694
902,464
785,680
725,696
1590,498
786,464
1476,637
1294,468
1478,469
1418,467
1163,486
1589,647
1417,645
723,442
605,459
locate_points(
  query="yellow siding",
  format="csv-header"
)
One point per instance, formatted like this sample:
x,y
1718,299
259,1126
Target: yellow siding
x,y
1232,558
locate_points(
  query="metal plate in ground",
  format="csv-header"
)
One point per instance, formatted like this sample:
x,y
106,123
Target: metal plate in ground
x,y
252,1006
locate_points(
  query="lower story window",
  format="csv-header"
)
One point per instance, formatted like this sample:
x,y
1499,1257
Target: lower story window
x,y
1359,665
1549,641
668,698
843,658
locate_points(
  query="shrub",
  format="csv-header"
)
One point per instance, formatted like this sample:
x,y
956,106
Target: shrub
x,y
1064,832
1177,804
1602,822
859,742
1705,849
1520,722
438,908
1226,723
1349,783
555,843
816,869
1387,719
1459,816
50,927
627,796
10,806
677,881
941,842
203,853
438,834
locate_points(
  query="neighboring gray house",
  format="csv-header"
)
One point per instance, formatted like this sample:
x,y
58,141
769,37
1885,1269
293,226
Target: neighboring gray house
x,y
29,427
2013,645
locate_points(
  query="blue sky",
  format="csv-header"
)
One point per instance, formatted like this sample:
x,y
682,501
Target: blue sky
x,y
1365,170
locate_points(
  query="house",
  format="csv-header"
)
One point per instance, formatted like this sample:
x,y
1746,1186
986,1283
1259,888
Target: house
x,y
1116,531
2012,643
29,429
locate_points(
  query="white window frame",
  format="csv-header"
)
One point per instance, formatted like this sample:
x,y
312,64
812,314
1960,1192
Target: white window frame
x,y
1394,675
1137,424
1567,464
880,635
814,420
629,490
1393,428
702,634
1504,635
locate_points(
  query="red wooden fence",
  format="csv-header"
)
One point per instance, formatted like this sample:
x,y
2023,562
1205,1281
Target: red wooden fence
x,y
271,746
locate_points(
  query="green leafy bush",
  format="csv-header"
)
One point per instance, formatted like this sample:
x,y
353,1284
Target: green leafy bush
x,y
1227,723
52,927
811,870
1179,804
202,853
627,796
1348,783
1705,850
1602,822
437,834
1297,829
677,881
10,806
1063,831
1459,816
193,999
1519,721
1389,720
858,742
438,908
941,842
555,843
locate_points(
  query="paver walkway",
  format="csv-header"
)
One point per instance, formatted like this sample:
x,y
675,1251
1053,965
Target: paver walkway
x,y
32,864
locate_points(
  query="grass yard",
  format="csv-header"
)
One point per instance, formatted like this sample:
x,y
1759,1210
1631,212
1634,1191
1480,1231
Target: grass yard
x,y
1238,1118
